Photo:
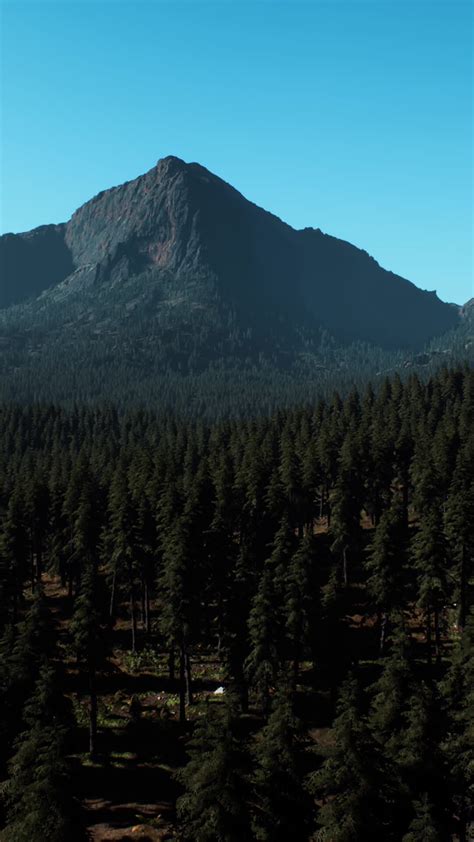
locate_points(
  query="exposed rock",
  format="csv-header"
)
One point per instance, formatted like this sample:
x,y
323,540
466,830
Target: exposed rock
x,y
181,219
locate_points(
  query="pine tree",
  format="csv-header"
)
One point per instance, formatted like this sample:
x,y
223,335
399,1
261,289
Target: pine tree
x,y
419,756
88,637
39,805
14,555
385,566
264,629
299,603
458,744
459,528
352,782
282,809
346,506
423,827
180,605
429,555
24,648
120,547
213,808
392,690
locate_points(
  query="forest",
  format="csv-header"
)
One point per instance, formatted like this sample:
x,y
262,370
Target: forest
x,y
241,629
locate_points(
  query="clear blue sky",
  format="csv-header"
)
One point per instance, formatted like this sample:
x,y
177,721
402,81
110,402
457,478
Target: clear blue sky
x,y
355,117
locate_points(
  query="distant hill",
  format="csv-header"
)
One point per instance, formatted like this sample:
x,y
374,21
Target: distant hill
x,y
177,271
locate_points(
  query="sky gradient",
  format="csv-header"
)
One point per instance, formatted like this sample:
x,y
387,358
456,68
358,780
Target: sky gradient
x,y
354,117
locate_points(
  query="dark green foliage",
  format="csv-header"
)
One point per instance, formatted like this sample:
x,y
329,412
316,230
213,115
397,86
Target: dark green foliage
x,y
89,639
264,627
37,794
301,604
386,565
429,554
391,691
254,554
346,505
458,747
352,785
424,827
212,808
282,808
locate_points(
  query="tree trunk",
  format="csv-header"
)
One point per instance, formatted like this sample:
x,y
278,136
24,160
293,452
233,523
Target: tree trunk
x,y
429,659
296,672
112,595
344,565
383,624
171,664
463,589
92,712
405,499
147,608
182,684
39,564
463,820
142,604
189,692
133,620
437,637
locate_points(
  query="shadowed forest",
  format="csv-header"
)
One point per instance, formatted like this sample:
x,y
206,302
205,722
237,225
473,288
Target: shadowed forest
x,y
247,630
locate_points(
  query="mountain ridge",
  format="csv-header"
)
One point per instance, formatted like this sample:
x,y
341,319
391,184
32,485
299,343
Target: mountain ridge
x,y
174,289
183,218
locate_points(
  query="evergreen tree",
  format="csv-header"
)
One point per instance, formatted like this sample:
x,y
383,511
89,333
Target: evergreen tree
x,y
392,690
352,782
459,528
346,506
299,603
14,555
385,566
423,827
430,559
120,547
458,745
212,808
419,756
282,809
88,637
264,629
180,606
37,794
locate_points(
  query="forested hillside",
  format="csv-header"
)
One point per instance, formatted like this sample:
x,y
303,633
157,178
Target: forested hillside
x,y
258,629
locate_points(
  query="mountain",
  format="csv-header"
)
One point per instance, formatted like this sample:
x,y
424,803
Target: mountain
x,y
177,271
181,218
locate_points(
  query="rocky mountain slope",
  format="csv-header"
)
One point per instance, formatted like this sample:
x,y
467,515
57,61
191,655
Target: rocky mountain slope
x,y
182,219
174,284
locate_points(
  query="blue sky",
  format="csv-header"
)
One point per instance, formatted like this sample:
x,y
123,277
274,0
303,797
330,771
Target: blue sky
x,y
355,117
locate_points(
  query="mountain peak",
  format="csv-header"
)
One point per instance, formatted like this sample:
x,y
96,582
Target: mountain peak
x,y
169,165
182,221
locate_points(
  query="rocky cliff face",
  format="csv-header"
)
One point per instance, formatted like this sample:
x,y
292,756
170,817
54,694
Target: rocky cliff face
x,y
181,219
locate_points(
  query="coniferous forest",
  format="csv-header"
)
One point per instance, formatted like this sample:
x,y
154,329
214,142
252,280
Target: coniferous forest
x,y
255,629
